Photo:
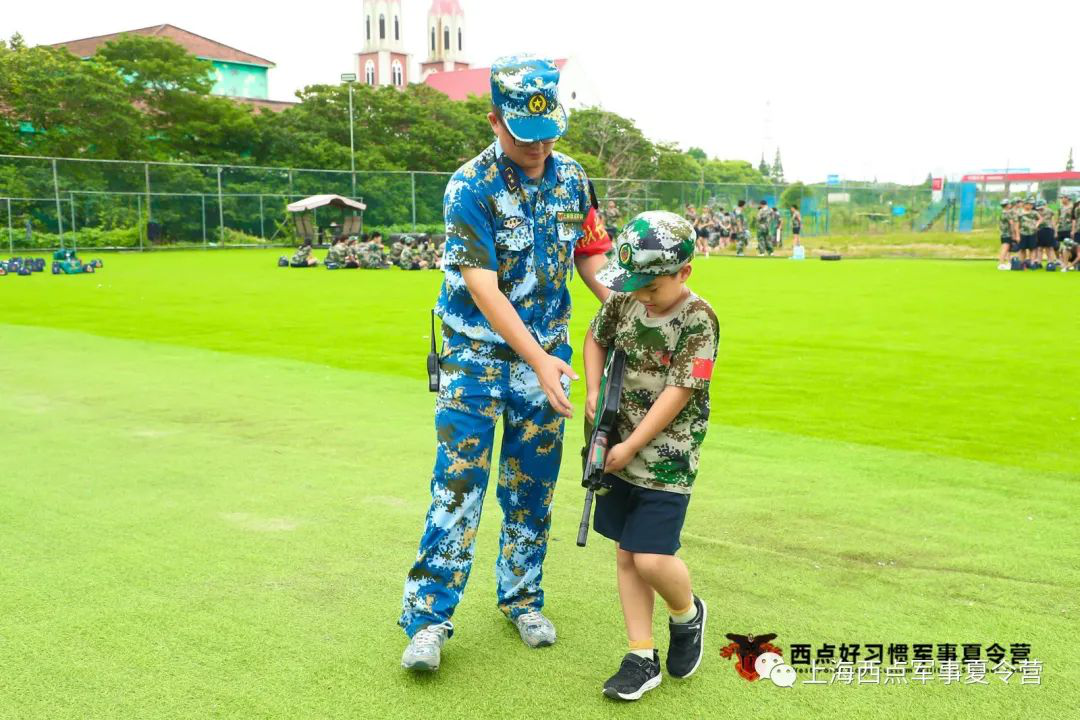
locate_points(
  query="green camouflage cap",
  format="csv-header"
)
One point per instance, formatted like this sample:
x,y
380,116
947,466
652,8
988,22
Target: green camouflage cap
x,y
654,243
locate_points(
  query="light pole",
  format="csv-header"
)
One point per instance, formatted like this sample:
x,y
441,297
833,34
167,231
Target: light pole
x,y
350,78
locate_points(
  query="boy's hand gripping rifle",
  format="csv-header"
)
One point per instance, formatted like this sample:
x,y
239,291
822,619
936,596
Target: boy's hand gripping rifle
x,y
602,437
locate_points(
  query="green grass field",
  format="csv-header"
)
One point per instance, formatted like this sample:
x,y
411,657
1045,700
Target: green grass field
x,y
215,473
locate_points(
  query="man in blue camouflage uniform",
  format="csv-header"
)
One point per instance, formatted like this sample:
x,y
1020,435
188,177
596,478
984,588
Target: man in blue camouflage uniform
x,y
514,234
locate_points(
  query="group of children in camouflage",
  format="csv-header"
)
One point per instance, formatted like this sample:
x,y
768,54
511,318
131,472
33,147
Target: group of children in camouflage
x,y
716,229
369,252
1033,232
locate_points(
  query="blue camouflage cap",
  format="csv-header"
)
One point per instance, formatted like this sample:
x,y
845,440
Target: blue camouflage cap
x,y
525,89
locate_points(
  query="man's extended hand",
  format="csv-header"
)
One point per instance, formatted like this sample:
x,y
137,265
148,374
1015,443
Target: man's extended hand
x,y
549,371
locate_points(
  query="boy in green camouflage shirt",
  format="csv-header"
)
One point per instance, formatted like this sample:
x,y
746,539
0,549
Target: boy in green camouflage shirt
x,y
669,336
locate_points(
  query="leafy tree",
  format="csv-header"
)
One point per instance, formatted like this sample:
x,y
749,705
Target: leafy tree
x,y
777,174
793,195
1069,162
698,154
614,141
52,103
763,167
734,172
172,89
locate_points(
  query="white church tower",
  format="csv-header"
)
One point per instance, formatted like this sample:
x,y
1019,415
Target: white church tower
x,y
445,38
383,60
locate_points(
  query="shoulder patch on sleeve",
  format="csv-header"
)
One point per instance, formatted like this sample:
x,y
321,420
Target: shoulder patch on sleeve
x,y
702,369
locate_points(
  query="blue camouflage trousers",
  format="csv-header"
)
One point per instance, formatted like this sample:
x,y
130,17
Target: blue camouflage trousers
x,y
480,384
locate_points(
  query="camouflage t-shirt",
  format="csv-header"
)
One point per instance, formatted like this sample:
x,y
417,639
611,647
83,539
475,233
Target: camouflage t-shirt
x,y
1006,223
302,254
678,349
1029,222
1046,217
1064,223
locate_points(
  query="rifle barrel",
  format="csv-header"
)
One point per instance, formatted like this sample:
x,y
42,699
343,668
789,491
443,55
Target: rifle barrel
x,y
586,515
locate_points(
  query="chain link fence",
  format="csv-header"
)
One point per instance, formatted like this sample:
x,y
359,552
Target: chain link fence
x,y
145,205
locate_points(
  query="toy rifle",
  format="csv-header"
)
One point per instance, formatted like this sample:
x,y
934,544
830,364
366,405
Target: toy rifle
x,y
602,436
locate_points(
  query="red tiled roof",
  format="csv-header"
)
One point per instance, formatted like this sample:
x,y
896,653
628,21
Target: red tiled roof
x,y
460,84
1021,177
260,104
445,7
195,44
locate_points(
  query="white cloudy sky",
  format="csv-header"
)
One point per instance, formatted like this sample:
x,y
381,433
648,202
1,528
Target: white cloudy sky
x,y
863,88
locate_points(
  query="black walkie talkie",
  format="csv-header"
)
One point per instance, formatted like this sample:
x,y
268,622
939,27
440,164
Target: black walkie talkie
x,y
433,361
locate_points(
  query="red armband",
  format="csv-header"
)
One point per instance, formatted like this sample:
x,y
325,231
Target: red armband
x,y
595,239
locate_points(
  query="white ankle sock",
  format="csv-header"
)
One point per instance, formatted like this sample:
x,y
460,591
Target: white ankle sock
x,y
647,654
686,616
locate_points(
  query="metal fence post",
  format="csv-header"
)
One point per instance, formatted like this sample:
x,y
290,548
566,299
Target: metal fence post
x,y
56,195
220,210
412,176
71,202
10,230
262,226
138,199
202,196
149,214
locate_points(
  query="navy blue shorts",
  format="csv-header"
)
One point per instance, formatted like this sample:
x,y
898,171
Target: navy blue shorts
x,y
639,519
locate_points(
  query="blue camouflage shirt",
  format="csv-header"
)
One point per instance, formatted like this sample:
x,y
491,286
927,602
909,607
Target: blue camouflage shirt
x,y
527,238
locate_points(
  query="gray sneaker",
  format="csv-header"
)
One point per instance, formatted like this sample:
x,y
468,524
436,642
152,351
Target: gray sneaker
x,y
535,629
425,648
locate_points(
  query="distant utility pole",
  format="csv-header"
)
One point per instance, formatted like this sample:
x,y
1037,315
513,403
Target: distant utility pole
x,y
349,79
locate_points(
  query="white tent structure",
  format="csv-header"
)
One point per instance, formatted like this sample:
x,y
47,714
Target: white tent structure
x,y
318,201
306,227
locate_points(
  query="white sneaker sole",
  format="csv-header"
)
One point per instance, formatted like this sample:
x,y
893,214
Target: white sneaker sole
x,y
697,663
646,687
420,666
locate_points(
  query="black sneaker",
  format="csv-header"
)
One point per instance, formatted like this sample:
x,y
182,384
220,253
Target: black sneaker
x,y
636,676
687,643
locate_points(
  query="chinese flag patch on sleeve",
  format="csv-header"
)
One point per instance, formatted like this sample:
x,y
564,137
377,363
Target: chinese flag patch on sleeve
x,y
702,369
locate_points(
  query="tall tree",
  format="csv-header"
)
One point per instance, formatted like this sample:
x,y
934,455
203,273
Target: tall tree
x,y
777,168
615,141
172,88
52,103
1069,162
763,167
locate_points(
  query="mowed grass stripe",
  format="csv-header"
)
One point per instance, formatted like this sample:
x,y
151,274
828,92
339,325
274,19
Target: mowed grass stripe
x,y
951,358
226,535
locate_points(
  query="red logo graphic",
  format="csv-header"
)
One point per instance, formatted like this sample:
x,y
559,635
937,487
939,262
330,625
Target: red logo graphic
x,y
747,648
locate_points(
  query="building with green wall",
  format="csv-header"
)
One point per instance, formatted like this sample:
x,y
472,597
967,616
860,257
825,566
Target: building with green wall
x,y
238,74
